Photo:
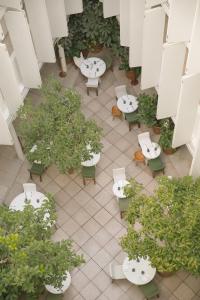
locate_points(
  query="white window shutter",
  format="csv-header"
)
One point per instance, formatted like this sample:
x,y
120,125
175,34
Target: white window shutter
x,y
23,47
73,7
40,30
195,166
57,18
110,8
124,22
8,82
187,110
5,136
181,16
153,32
136,32
170,79
193,61
16,4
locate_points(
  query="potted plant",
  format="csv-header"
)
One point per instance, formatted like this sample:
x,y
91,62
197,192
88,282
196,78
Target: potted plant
x,y
166,136
131,73
58,128
29,259
165,226
147,107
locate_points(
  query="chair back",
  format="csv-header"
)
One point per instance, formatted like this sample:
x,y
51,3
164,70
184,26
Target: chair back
x,y
29,187
144,140
116,271
78,60
120,91
119,174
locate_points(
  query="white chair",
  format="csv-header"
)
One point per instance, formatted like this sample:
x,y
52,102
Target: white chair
x,y
29,187
116,272
119,174
78,60
120,91
144,141
92,83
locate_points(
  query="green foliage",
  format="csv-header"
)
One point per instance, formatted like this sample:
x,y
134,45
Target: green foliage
x,y
168,225
28,258
166,134
147,107
58,128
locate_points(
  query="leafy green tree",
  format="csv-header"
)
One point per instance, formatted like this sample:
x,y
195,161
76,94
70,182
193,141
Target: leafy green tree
x,y
166,225
58,128
28,257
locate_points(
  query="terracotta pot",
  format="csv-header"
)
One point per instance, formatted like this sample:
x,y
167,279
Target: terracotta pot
x,y
166,274
96,49
132,76
156,129
71,171
169,151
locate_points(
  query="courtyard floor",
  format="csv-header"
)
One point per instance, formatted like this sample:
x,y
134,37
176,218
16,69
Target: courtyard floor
x,y
90,215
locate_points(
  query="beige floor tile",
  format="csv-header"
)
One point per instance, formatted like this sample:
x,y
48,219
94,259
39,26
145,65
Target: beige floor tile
x,y
62,180
62,216
102,281
71,207
113,292
112,206
91,247
91,269
102,216
92,207
82,198
135,294
52,188
103,179
70,226
183,292
81,217
90,292
102,237
102,258
72,188
193,282
80,236
113,226
171,282
113,247
92,189
143,178
71,293
62,198
103,198
78,297
92,227
80,280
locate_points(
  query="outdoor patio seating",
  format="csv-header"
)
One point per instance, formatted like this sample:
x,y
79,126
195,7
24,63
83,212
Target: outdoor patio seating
x,y
132,119
92,83
156,165
150,290
116,113
78,60
120,91
29,187
116,272
123,205
88,173
119,174
37,169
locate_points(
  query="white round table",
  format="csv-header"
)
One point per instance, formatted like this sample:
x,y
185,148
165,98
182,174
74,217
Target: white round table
x,y
138,271
65,284
118,188
93,161
93,67
36,200
127,103
151,151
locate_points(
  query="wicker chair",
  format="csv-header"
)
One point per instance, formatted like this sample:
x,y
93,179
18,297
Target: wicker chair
x,y
150,290
88,173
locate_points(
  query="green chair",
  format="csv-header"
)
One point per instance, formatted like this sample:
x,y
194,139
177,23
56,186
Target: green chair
x,y
150,290
37,169
156,165
53,297
132,118
123,205
88,173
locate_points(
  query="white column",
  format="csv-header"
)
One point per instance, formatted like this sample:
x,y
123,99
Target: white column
x,y
74,6
17,145
124,22
16,4
110,8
